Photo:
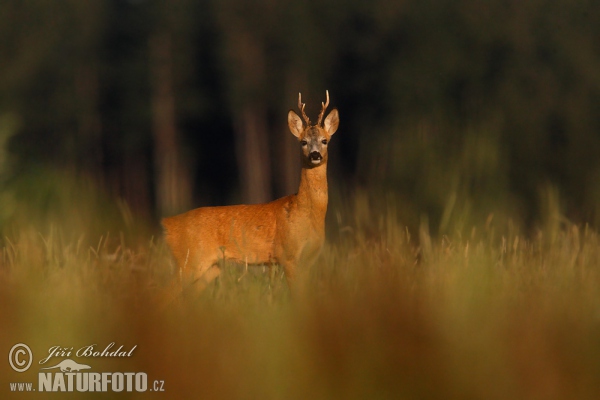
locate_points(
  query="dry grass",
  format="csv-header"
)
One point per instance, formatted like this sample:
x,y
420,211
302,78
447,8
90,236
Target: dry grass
x,y
491,315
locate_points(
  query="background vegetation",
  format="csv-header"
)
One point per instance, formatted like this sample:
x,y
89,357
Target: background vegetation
x,y
463,108
484,316
462,257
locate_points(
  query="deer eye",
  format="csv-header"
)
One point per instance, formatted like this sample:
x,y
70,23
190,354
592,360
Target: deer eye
x,y
303,142
324,141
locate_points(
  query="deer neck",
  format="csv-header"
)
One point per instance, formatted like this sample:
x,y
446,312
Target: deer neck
x,y
312,194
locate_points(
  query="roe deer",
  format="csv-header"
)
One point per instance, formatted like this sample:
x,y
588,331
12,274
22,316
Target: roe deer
x,y
288,231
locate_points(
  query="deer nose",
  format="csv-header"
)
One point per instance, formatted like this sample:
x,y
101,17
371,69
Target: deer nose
x,y
315,155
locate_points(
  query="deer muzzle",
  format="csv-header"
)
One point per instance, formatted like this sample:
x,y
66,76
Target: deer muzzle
x,y
315,157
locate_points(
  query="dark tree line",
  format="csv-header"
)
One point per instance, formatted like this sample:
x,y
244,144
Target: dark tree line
x,y
446,107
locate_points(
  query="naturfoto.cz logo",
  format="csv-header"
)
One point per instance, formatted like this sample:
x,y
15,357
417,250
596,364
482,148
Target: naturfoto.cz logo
x,y
69,375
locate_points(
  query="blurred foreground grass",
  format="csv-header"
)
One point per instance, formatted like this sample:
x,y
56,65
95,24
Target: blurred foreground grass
x,y
383,314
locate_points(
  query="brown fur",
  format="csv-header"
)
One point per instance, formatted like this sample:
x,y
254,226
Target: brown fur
x,y
288,231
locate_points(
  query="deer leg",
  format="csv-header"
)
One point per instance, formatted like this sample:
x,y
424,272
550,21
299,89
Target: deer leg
x,y
289,268
197,276
207,277
197,281
272,270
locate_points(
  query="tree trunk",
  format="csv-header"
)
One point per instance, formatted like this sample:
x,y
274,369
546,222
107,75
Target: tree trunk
x,y
287,175
89,120
172,184
252,148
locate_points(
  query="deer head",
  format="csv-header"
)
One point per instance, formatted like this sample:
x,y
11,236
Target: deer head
x,y
313,138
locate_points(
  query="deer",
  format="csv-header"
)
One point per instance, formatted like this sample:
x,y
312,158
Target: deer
x,y
288,232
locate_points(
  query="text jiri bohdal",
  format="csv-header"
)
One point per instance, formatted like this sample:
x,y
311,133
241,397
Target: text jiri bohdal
x,y
88,351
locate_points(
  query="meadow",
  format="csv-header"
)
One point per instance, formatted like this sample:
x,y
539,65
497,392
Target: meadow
x,y
458,262
386,312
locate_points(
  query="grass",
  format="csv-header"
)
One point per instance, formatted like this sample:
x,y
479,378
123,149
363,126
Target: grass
x,y
383,314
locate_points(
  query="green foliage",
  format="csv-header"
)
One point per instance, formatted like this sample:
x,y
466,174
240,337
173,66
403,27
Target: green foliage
x,y
41,200
460,104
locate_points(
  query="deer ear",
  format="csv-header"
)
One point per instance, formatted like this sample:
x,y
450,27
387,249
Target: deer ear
x,y
295,123
332,122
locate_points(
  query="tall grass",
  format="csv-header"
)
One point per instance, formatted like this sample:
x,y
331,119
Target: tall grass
x,y
385,313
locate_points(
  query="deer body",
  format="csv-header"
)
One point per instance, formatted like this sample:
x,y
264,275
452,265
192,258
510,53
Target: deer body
x,y
288,231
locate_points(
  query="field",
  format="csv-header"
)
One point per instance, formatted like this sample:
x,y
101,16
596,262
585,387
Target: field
x,y
385,313
462,255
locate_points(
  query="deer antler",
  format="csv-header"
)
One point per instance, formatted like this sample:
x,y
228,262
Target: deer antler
x,y
301,107
323,108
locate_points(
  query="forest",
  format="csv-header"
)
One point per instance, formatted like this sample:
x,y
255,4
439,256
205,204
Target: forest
x,y
450,110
